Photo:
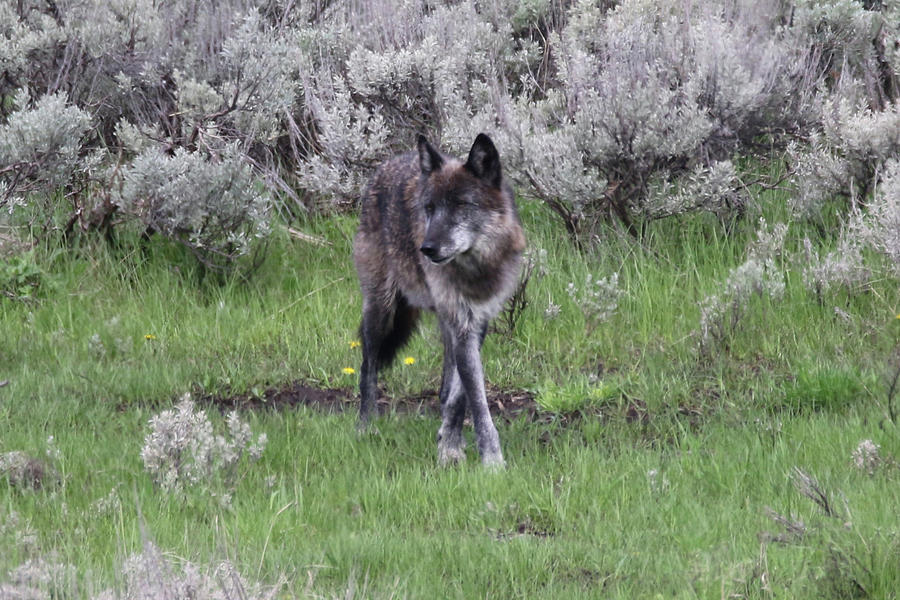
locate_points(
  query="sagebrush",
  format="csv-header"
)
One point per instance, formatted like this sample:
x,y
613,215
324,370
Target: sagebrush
x,y
608,111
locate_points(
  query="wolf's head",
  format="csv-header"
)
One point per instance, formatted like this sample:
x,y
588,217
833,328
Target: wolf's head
x,y
460,200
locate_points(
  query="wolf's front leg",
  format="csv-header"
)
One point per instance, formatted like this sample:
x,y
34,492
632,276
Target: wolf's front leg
x,y
471,374
451,445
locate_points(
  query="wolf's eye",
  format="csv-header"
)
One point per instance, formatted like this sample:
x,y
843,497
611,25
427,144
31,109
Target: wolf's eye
x,y
429,209
464,200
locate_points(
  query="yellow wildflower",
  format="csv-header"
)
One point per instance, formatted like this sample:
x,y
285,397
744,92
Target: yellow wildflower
x,y
409,360
149,336
355,344
348,370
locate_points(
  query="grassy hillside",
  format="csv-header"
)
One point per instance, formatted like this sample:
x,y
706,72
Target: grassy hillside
x,y
658,465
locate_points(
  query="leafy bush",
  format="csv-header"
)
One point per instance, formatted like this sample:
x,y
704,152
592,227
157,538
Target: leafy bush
x,y
21,278
853,157
650,93
847,157
417,69
41,578
631,110
42,148
211,204
880,227
598,298
141,576
855,45
181,75
182,451
842,268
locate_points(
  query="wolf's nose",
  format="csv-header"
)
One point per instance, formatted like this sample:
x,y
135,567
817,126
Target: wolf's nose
x,y
429,250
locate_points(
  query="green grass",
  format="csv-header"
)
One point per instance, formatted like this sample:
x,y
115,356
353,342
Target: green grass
x,y
655,484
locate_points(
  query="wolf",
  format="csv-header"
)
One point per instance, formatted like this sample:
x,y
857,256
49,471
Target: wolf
x,y
444,235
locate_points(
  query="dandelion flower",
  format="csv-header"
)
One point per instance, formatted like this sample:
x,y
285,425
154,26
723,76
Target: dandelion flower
x,y
409,360
348,370
149,336
355,344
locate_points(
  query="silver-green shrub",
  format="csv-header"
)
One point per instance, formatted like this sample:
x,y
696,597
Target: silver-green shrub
x,y
397,70
855,44
842,268
185,75
23,471
851,167
880,226
151,574
846,165
148,575
41,578
42,148
846,157
649,92
760,275
598,298
631,110
183,451
212,204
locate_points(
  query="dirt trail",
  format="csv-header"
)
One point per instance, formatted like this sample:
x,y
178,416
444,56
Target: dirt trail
x,y
504,404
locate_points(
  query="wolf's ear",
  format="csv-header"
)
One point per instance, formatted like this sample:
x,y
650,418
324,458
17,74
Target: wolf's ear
x,y
430,160
484,160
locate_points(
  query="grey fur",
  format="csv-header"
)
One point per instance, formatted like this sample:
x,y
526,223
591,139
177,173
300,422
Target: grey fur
x,y
438,234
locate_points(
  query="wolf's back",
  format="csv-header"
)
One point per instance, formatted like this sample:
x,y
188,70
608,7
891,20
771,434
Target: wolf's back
x,y
387,201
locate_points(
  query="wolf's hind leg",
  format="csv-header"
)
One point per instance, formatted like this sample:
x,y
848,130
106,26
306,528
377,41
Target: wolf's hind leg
x,y
385,328
371,331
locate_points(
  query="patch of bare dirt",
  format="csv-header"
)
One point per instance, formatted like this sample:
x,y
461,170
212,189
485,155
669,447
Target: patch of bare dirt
x,y
504,404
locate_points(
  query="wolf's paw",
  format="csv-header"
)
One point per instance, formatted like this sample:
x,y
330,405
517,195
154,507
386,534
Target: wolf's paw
x,y
365,429
493,462
449,454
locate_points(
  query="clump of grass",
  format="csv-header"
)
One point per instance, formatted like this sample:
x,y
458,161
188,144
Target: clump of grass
x,y
851,562
819,388
578,393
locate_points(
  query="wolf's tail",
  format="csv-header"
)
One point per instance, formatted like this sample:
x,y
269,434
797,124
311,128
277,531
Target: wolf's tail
x,y
395,334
